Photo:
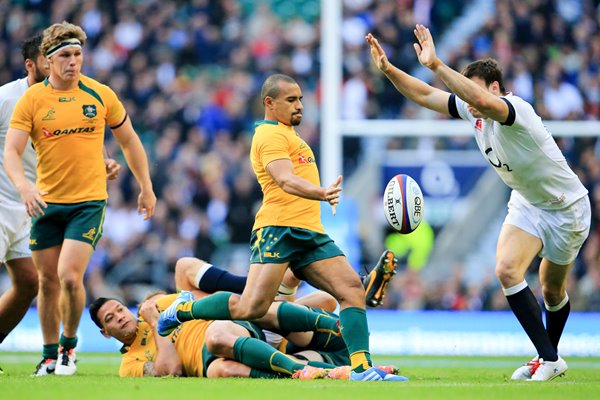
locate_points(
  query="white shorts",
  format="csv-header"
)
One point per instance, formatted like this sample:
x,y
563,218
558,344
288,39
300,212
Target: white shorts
x,y
562,232
14,232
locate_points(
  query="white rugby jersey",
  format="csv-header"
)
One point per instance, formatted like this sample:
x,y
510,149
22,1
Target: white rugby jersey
x,y
9,95
524,154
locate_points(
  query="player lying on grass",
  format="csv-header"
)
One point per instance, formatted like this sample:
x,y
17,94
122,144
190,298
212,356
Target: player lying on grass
x,y
191,349
223,348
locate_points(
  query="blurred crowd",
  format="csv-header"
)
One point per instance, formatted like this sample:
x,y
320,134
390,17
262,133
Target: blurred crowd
x,y
189,73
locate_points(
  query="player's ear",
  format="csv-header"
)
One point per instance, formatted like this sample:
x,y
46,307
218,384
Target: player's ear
x,y
105,334
495,87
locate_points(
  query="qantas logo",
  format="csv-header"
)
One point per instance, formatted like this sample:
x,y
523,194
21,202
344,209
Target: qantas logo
x,y
304,160
479,124
69,131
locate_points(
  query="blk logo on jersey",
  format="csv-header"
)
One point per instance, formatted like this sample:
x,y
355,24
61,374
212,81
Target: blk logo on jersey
x,y
89,110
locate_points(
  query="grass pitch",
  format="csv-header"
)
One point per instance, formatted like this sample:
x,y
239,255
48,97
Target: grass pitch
x,y
439,378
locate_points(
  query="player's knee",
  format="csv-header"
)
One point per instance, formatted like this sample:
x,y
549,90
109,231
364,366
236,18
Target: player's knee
x,y
250,310
71,282
553,295
26,284
219,343
351,293
507,273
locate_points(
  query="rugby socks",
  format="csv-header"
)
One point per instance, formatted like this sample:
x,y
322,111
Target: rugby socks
x,y
316,364
258,373
211,279
258,354
67,343
320,364
527,310
294,318
213,307
355,331
50,351
556,319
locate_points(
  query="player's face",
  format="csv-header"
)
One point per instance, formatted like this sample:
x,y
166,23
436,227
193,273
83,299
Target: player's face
x,y
118,321
41,69
66,64
287,107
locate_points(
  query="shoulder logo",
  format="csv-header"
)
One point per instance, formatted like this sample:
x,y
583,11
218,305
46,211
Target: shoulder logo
x,y
32,242
91,234
479,124
49,115
89,110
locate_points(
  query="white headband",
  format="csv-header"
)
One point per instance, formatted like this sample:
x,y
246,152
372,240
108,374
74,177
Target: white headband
x,y
64,44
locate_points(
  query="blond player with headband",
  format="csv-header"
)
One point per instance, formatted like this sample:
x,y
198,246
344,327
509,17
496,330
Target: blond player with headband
x,y
65,116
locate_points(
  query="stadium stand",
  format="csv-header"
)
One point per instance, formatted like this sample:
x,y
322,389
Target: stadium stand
x,y
189,72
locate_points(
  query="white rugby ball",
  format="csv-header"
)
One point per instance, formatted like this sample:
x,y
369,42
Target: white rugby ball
x,y
403,203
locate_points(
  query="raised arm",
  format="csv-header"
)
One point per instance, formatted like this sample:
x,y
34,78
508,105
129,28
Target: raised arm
x,y
487,103
415,89
16,140
138,162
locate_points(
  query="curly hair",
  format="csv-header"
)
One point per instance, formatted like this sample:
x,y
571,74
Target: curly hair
x,y
57,33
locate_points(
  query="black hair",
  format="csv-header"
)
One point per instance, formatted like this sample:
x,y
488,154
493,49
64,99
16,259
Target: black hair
x,y
486,69
30,48
271,85
95,307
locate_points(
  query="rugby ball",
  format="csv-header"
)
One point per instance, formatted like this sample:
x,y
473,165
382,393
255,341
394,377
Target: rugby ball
x,y
403,203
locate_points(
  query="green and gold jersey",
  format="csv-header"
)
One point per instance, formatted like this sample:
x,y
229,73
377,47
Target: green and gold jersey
x,y
275,141
188,339
67,132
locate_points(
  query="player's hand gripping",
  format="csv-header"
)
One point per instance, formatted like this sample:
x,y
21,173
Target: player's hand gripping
x,y
425,48
378,54
332,194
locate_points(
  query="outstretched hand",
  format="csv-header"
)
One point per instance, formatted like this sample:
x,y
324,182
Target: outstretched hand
x,y
378,54
425,48
332,194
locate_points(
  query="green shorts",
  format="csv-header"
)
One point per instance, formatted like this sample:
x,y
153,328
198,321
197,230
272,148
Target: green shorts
x,y
300,247
255,332
78,221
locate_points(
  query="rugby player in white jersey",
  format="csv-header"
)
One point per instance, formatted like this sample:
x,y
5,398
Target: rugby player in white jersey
x,y
15,223
548,211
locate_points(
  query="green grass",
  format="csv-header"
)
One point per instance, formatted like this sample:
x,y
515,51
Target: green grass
x,y
440,378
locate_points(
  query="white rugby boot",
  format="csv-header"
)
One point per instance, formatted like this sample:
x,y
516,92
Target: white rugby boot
x,y
548,370
526,371
65,365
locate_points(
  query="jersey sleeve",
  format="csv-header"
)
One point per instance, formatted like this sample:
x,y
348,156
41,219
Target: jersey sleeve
x,y
131,366
458,108
271,147
116,114
22,116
